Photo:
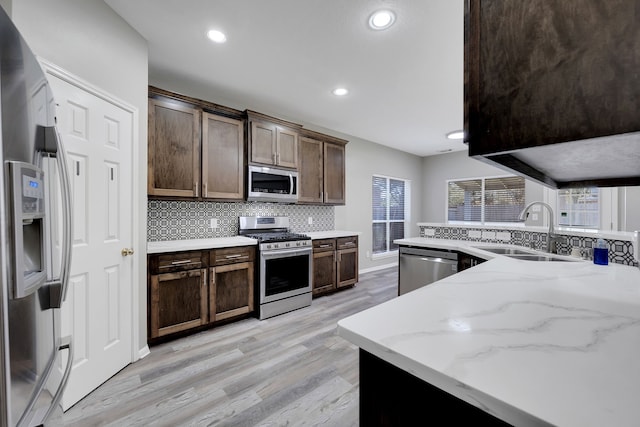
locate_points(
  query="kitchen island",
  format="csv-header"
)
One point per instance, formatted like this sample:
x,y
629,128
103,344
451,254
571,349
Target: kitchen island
x,y
529,343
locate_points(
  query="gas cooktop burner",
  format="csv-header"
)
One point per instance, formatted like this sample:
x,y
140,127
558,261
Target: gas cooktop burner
x,y
284,236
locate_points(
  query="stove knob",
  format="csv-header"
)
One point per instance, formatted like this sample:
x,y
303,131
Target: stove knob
x,y
287,245
268,246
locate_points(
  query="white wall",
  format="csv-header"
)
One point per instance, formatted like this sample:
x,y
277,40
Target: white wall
x,y
88,39
6,5
436,170
629,208
363,160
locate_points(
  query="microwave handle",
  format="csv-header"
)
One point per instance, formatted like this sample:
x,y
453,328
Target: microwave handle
x,y
291,188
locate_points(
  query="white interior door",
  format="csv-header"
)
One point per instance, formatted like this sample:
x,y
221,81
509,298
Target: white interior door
x,y
98,136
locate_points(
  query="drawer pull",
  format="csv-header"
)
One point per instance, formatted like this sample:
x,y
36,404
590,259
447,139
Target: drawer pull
x,y
325,246
349,243
236,256
184,261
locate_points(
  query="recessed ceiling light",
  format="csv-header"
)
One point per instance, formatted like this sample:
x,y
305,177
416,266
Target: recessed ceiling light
x,y
217,36
456,134
341,91
382,19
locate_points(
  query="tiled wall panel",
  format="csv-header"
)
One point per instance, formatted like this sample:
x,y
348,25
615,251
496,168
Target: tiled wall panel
x,y
182,220
620,251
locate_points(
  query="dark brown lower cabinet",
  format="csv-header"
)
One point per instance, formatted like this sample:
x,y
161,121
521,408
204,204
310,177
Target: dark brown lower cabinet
x,y
335,264
193,289
179,302
324,271
347,259
229,295
390,396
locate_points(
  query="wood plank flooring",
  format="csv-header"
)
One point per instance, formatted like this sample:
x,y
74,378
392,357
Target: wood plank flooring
x,y
290,370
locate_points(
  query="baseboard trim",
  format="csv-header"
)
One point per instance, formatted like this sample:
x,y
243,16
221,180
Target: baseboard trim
x,y
143,352
378,267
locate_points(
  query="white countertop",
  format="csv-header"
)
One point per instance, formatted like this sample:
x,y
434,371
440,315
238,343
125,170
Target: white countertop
x,y
331,234
529,342
197,244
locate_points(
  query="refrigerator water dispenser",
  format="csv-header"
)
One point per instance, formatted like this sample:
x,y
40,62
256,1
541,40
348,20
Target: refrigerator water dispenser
x,y
26,183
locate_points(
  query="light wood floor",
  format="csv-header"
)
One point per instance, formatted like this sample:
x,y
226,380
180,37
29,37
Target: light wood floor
x,y
291,370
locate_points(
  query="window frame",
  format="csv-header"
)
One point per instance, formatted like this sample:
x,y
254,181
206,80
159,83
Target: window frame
x,y
608,210
405,221
482,221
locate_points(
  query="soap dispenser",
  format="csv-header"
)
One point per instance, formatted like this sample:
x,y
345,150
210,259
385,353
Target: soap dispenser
x,y
601,252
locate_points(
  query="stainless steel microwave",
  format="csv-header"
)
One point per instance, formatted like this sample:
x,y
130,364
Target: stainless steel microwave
x,y
269,184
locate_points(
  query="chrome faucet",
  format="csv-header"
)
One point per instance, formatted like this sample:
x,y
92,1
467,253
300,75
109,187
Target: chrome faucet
x,y
552,238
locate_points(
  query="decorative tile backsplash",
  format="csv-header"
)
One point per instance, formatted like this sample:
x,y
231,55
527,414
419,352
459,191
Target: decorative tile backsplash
x,y
182,220
620,251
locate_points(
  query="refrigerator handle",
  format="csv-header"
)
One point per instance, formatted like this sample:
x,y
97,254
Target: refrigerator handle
x,y
25,419
65,344
58,287
67,217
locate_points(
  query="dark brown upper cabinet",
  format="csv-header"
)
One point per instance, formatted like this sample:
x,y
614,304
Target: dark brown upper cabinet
x,y
222,157
174,149
272,141
321,172
196,148
552,89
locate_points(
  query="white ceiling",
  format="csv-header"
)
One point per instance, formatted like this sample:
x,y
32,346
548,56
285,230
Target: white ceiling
x,y
284,57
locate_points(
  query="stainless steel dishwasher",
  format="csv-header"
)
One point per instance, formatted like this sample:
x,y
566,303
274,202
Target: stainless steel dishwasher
x,y
420,267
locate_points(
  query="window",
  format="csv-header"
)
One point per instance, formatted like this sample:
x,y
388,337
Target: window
x,y
390,206
579,207
485,200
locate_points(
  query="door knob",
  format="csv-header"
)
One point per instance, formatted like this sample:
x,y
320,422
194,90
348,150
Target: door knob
x,y
126,251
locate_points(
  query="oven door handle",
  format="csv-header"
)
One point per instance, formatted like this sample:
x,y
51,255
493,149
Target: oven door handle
x,y
286,253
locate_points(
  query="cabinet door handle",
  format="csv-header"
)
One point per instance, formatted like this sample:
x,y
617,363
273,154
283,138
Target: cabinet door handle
x,y
204,190
274,158
195,188
184,261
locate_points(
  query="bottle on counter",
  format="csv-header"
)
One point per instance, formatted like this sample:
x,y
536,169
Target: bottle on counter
x,y
601,252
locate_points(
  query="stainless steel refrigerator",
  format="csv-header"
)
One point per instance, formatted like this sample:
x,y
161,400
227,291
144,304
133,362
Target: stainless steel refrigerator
x,y
35,212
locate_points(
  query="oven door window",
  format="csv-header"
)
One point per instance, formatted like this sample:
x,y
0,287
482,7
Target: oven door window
x,y
286,274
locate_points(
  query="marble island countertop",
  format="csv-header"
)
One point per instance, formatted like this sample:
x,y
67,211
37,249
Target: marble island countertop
x,y
533,343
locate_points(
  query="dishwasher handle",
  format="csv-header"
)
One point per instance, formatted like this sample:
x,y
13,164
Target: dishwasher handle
x,y
429,253
439,260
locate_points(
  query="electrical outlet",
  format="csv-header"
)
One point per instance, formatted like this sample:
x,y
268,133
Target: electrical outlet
x,y
310,220
429,232
213,223
488,235
473,234
504,236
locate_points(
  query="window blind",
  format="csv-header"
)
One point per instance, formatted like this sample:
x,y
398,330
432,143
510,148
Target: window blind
x,y
486,199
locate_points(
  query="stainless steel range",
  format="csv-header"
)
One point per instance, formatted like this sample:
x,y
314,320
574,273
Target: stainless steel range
x,y
285,264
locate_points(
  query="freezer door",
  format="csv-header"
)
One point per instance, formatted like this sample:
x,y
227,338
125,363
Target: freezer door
x,y
29,343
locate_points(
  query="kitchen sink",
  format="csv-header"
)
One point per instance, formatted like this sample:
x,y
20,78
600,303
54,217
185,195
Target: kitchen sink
x,y
533,257
504,251
522,254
